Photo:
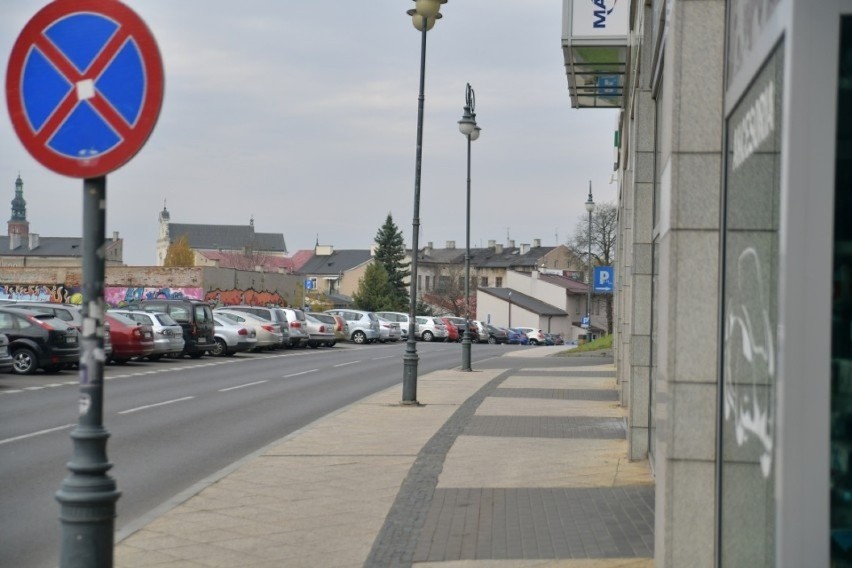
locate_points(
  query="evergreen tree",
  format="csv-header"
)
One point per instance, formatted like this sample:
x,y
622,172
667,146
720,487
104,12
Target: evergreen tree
x,y
373,292
390,253
179,253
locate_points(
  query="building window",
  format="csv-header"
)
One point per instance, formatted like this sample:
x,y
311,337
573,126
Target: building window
x,y
428,282
483,281
498,282
443,283
420,282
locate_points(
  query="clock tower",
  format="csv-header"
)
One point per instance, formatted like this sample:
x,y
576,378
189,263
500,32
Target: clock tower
x,y
18,224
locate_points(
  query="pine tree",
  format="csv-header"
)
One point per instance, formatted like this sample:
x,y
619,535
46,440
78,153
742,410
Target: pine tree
x,y
390,253
373,292
179,253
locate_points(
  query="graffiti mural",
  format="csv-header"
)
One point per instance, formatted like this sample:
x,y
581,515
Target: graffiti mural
x,y
54,293
251,297
118,296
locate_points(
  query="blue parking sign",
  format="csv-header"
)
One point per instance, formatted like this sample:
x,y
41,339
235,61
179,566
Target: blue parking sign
x,y
604,279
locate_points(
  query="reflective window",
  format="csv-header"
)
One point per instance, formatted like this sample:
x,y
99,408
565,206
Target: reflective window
x,y
750,296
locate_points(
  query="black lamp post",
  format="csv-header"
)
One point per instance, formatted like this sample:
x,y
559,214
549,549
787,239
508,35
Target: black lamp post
x,y
468,127
590,206
510,309
423,16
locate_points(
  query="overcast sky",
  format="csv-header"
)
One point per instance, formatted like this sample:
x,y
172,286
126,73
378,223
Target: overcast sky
x,y
303,114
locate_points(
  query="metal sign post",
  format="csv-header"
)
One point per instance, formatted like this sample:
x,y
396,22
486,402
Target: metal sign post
x,y
84,87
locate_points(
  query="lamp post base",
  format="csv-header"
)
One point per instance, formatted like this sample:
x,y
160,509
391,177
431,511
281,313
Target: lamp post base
x,y
466,351
409,372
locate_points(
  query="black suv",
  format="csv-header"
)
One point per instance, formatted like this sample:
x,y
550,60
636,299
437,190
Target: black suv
x,y
38,341
194,316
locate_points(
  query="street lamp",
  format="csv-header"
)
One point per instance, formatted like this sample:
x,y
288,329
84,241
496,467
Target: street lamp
x,y
510,309
468,127
423,16
590,206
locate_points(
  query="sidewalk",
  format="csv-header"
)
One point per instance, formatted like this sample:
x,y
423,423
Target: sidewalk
x,y
497,468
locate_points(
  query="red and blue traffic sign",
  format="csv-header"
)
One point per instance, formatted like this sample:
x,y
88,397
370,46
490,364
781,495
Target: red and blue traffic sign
x,y
84,86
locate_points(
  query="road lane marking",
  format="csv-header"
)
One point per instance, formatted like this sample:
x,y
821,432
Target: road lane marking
x,y
349,363
34,434
302,373
242,386
146,407
388,357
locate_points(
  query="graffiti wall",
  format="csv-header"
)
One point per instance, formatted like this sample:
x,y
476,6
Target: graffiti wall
x,y
55,293
119,296
235,297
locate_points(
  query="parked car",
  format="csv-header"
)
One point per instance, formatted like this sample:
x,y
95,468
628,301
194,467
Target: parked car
x,y
430,328
231,337
6,361
268,334
536,336
363,326
517,337
38,341
277,316
194,316
481,330
400,318
299,335
321,333
130,339
70,314
549,340
461,325
452,329
389,331
337,323
168,334
496,334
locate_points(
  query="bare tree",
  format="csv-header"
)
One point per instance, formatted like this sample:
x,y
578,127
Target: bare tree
x,y
604,230
448,292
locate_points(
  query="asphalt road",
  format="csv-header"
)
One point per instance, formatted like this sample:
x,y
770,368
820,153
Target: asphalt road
x,y
175,422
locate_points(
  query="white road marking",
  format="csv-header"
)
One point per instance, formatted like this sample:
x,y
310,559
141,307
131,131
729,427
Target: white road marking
x,y
34,434
242,386
302,373
349,363
157,404
388,357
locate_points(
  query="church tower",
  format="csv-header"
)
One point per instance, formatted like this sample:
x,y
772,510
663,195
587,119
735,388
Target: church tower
x,y
163,241
18,224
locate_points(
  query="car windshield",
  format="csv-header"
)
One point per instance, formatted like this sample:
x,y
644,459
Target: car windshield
x,y
121,318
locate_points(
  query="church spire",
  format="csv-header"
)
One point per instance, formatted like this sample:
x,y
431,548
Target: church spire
x,y
18,223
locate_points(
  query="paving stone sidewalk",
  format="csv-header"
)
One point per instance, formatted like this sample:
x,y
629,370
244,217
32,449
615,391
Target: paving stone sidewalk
x,y
497,469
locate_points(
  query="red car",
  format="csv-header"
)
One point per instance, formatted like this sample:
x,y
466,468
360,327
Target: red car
x,y
452,330
129,339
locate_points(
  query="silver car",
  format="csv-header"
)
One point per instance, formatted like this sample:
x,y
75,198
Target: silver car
x,y
321,333
363,326
277,316
268,335
430,328
400,318
389,331
168,334
232,337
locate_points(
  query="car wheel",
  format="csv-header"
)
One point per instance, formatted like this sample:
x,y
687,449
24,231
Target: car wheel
x,y
330,344
120,361
426,336
492,340
533,342
359,337
25,362
219,348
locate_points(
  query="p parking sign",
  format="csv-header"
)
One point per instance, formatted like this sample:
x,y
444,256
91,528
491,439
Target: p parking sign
x,y
604,279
